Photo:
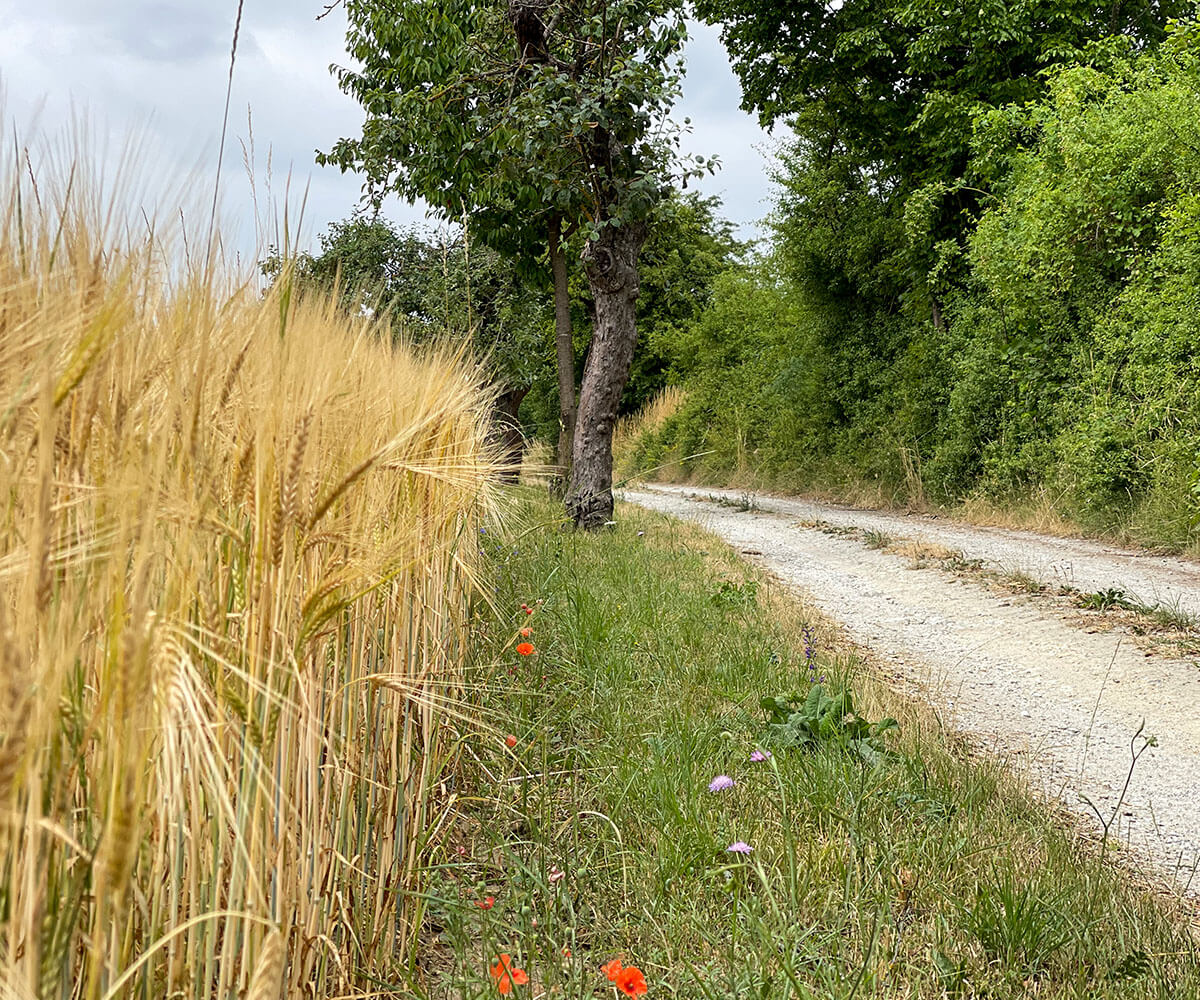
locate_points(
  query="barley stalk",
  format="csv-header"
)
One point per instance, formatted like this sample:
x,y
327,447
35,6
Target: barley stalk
x,y
188,725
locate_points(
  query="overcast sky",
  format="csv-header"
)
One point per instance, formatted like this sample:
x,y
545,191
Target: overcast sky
x,y
158,69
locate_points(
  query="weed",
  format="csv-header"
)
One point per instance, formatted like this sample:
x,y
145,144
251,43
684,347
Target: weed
x,y
1106,600
1021,582
745,502
1016,925
823,718
644,693
874,539
735,595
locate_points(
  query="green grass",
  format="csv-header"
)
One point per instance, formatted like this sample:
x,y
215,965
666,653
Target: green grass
x,y
922,872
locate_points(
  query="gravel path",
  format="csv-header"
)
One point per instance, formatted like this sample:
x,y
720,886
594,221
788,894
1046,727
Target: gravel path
x,y
1065,701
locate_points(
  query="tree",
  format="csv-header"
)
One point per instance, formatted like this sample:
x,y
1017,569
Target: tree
x,y
689,248
434,285
882,96
528,118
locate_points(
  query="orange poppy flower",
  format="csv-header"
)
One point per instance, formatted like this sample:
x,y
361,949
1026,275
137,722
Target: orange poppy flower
x,y
486,903
525,648
526,632
510,741
612,969
505,975
631,982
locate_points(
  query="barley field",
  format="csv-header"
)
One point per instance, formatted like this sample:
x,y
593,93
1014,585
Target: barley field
x,y
237,545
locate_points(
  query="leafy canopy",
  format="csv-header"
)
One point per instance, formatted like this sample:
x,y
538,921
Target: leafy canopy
x,y
433,285
508,113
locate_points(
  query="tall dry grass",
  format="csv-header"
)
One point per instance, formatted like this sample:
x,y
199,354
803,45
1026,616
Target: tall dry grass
x,y
636,454
236,544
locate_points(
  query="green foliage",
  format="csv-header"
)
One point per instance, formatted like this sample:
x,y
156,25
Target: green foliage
x,y
824,718
1017,926
597,832
1048,346
689,248
434,285
509,114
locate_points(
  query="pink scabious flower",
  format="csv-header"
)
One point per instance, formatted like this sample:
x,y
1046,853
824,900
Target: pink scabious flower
x,y
720,783
739,847
760,755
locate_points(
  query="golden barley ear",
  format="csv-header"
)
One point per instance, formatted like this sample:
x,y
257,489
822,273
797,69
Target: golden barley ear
x,y
267,981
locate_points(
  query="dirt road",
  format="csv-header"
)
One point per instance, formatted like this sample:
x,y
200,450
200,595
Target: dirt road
x,y
1063,700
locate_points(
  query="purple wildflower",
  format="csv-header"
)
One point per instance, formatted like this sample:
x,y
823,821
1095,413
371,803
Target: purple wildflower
x,y
760,755
720,783
739,847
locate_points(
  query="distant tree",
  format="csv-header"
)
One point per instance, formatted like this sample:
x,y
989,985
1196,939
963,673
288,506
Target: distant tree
x,y
687,250
528,118
435,285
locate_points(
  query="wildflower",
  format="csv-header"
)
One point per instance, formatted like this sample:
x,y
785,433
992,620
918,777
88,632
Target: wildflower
x,y
720,783
631,982
556,874
760,755
739,847
612,969
526,632
510,741
525,648
566,953
486,903
505,975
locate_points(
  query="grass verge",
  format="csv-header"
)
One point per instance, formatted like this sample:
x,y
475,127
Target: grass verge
x,y
880,865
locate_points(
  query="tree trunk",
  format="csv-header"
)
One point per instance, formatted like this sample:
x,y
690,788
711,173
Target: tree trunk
x,y
565,350
611,265
506,431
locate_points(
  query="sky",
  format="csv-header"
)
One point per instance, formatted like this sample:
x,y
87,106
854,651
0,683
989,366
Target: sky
x,y
154,72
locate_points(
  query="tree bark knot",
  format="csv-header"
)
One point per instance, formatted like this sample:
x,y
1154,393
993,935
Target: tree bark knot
x,y
606,269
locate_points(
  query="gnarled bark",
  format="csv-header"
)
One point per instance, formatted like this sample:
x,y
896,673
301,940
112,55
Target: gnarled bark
x,y
610,262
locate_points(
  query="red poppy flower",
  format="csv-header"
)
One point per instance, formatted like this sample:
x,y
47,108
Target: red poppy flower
x,y
612,969
525,648
505,975
510,741
631,982
527,609
486,903
526,632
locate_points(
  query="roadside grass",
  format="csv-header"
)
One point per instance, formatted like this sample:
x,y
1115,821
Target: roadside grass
x,y
585,829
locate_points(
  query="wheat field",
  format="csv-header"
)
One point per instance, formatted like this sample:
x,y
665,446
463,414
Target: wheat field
x,y
237,546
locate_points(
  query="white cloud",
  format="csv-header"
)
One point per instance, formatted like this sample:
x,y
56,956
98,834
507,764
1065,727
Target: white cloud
x,y
161,68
